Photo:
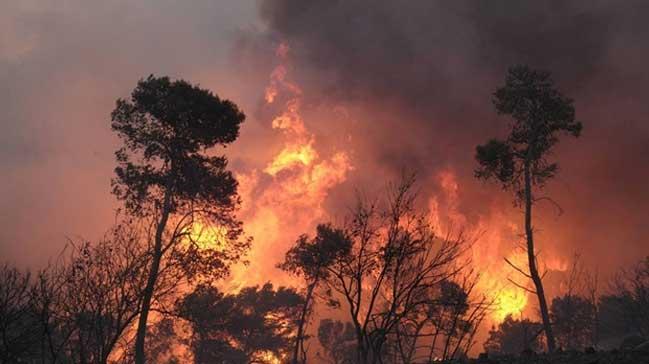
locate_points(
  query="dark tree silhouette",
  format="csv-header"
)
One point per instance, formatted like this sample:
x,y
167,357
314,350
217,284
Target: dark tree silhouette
x,y
394,261
163,342
241,328
444,326
167,171
87,301
310,258
338,341
19,334
455,315
514,336
520,162
573,318
625,311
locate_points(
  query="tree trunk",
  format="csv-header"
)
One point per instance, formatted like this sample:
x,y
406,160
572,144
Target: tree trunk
x,y
300,329
140,357
531,258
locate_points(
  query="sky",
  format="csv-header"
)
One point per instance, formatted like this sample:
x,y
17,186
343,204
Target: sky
x,y
62,66
396,85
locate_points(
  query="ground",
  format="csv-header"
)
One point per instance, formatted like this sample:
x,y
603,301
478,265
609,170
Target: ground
x,y
592,357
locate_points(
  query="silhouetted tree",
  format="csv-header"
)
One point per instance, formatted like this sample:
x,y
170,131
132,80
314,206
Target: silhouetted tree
x,y
19,334
520,162
514,336
252,326
573,318
89,299
168,171
616,319
625,311
455,316
444,326
164,342
310,258
55,331
338,341
574,315
395,259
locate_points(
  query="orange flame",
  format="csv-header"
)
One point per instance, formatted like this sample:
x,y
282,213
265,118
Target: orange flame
x,y
285,198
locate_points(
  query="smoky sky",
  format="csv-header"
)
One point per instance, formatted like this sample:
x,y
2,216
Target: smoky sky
x,y
420,75
62,66
400,85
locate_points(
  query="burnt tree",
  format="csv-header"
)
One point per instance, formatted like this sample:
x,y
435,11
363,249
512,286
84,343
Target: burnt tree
x,y
539,113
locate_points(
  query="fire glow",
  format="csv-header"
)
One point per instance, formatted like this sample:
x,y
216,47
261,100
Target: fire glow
x,y
285,199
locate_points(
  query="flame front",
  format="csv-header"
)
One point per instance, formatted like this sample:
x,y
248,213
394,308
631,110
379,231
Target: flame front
x,y
285,198
509,301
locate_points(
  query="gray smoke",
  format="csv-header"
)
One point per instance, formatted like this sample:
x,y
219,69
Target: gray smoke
x,y
419,76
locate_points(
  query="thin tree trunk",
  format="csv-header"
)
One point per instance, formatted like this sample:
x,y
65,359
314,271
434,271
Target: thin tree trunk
x,y
301,324
531,258
140,357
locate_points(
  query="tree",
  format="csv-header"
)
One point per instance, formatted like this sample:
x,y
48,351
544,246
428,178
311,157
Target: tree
x,y
102,293
167,172
394,261
442,328
455,315
520,162
337,341
514,336
18,330
625,311
91,297
310,258
573,318
252,326
164,342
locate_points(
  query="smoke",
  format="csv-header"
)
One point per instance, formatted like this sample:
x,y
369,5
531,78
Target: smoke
x,y
62,66
415,79
397,86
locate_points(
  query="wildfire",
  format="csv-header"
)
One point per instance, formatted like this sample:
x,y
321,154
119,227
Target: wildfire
x,y
206,236
290,156
494,231
285,198
270,358
509,301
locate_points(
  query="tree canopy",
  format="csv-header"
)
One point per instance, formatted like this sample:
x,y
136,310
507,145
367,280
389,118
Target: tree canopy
x,y
243,327
539,112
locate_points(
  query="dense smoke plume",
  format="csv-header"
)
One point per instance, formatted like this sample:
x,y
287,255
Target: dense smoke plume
x,y
415,80
393,86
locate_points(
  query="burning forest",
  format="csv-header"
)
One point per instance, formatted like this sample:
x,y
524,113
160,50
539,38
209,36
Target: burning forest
x,y
286,181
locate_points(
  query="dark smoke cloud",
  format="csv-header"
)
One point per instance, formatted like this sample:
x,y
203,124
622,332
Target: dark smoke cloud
x,y
419,76
412,81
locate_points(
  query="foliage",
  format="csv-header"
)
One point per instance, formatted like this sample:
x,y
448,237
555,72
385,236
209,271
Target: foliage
x,y
625,311
574,321
79,309
514,336
338,341
311,258
18,321
166,128
539,112
167,172
241,328
391,265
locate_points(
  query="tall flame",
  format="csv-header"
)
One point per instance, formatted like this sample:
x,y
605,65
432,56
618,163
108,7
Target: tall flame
x,y
285,198
496,234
